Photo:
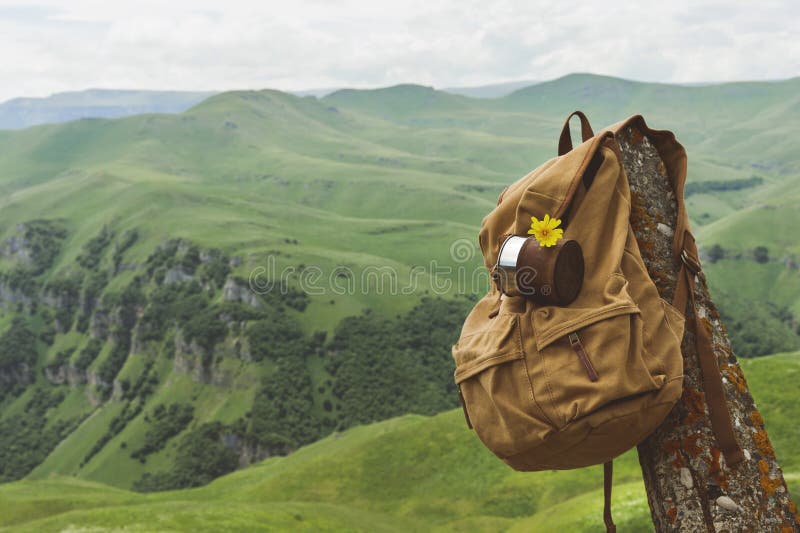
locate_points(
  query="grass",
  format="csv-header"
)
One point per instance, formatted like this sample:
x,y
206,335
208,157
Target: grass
x,y
368,178
411,473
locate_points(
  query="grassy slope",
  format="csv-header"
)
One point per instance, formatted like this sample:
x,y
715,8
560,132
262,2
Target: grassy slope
x,y
409,473
386,177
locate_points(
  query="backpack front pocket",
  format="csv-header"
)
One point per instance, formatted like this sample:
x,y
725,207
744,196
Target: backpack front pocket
x,y
592,358
492,374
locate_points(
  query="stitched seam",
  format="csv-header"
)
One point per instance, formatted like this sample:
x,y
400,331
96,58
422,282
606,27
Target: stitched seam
x,y
559,331
571,422
668,321
529,380
570,192
547,386
472,367
487,329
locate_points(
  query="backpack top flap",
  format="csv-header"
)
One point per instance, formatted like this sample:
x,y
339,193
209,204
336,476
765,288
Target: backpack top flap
x,y
549,189
598,219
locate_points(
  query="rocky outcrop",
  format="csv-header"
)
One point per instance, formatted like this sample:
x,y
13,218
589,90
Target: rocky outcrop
x,y
95,382
17,247
184,363
99,324
189,359
57,375
65,374
94,379
247,452
238,291
241,347
116,391
177,275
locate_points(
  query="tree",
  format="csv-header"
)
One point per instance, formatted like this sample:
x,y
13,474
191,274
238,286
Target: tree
x,y
689,485
761,254
715,253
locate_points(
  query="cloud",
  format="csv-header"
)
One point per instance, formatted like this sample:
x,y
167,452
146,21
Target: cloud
x,y
199,44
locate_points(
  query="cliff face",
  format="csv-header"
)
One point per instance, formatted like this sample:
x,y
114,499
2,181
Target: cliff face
x,y
65,374
181,314
237,290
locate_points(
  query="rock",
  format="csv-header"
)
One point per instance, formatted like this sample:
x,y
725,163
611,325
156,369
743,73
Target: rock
x,y
176,275
728,504
117,391
57,375
686,478
75,376
99,324
665,230
233,291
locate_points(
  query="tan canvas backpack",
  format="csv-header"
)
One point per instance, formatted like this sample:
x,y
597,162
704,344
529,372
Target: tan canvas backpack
x,y
566,386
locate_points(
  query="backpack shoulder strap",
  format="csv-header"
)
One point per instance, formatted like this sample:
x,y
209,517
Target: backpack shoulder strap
x,y
712,378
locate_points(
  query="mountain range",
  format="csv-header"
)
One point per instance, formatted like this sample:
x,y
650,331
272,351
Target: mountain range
x,y
187,294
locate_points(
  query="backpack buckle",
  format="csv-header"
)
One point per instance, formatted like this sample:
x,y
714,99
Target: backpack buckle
x,y
691,262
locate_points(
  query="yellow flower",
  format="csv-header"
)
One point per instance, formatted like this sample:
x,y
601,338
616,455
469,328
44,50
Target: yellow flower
x,y
546,231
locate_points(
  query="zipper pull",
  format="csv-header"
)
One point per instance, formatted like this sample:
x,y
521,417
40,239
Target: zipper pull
x,y
577,345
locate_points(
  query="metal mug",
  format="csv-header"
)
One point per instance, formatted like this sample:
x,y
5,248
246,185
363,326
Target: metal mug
x,y
548,275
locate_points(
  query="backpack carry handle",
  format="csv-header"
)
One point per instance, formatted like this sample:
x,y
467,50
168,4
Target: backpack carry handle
x,y
565,141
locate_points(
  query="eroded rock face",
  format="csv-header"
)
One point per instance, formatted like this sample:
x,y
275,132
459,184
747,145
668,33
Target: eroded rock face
x,y
17,247
65,374
192,360
236,291
99,324
176,275
248,453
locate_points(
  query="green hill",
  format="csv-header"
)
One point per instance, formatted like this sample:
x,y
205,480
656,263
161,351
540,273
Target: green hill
x,y
133,340
412,473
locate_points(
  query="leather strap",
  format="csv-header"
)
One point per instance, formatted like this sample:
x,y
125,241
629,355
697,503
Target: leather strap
x,y
608,473
565,140
712,379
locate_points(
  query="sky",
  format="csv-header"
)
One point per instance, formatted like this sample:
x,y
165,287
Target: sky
x,y
51,46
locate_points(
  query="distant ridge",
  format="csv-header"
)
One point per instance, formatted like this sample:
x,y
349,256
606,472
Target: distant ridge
x,y
577,88
93,103
492,90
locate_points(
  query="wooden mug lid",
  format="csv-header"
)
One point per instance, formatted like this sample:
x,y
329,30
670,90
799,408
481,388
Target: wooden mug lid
x,y
548,275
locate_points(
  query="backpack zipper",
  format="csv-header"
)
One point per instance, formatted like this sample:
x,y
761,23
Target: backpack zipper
x,y
580,351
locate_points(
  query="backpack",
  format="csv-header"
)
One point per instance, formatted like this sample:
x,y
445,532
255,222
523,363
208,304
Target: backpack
x,y
552,386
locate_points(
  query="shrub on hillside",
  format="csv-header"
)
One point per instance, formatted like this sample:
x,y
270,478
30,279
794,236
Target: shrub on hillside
x,y
201,457
166,421
17,345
